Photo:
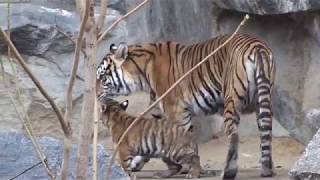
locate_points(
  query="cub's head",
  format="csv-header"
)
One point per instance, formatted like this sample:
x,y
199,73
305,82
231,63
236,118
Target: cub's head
x,y
109,106
121,71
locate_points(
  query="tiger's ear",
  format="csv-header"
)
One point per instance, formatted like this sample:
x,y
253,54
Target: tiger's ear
x,y
122,51
113,48
124,105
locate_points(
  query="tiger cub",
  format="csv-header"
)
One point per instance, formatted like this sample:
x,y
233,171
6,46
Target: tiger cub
x,y
150,138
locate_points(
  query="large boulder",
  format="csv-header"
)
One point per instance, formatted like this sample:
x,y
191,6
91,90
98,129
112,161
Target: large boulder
x,y
36,32
18,154
308,165
268,7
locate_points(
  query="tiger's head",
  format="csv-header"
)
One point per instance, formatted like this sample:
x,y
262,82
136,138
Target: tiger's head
x,y
110,106
122,71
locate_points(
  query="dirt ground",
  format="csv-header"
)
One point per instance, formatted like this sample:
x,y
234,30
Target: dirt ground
x,y
285,152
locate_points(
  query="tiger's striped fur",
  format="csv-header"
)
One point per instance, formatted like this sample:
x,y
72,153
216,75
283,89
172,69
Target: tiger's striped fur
x,y
239,77
150,138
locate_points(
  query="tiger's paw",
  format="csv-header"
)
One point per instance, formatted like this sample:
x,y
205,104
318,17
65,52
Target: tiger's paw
x,y
193,175
267,172
229,173
162,174
266,169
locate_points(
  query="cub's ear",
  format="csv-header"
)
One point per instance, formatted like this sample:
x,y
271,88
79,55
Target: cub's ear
x,y
113,48
103,108
122,51
124,104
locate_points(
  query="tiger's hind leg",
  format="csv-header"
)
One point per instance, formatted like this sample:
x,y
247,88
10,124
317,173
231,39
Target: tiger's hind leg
x,y
173,168
264,120
231,122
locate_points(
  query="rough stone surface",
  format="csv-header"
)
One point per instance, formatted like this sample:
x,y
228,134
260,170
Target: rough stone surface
x,y
269,7
17,154
308,166
293,37
49,55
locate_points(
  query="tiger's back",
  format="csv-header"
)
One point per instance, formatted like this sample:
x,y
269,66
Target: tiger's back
x,y
204,90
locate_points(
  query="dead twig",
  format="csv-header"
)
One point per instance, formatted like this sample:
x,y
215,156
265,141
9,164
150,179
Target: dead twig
x,y
95,139
103,13
67,139
26,170
32,138
101,36
87,113
99,25
169,90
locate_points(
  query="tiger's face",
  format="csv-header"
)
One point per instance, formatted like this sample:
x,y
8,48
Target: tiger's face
x,y
117,75
108,106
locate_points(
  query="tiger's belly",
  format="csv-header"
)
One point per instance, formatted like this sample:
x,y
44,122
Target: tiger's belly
x,y
205,103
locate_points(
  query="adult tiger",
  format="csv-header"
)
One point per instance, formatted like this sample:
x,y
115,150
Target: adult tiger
x,y
238,77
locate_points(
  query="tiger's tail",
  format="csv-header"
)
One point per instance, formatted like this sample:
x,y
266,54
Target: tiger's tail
x,y
264,79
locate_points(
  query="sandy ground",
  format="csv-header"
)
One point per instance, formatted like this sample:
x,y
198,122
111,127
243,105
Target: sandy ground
x,y
285,152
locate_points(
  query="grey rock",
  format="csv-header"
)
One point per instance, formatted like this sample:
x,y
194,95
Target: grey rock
x,y
313,117
32,40
269,7
180,20
49,55
308,165
18,154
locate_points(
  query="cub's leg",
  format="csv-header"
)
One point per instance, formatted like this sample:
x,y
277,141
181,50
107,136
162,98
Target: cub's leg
x,y
173,168
125,159
130,163
138,163
231,122
193,161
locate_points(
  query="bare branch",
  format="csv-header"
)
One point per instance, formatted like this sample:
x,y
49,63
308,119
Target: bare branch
x,y
65,126
95,138
87,113
169,90
67,115
75,63
80,5
101,36
103,13
26,170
